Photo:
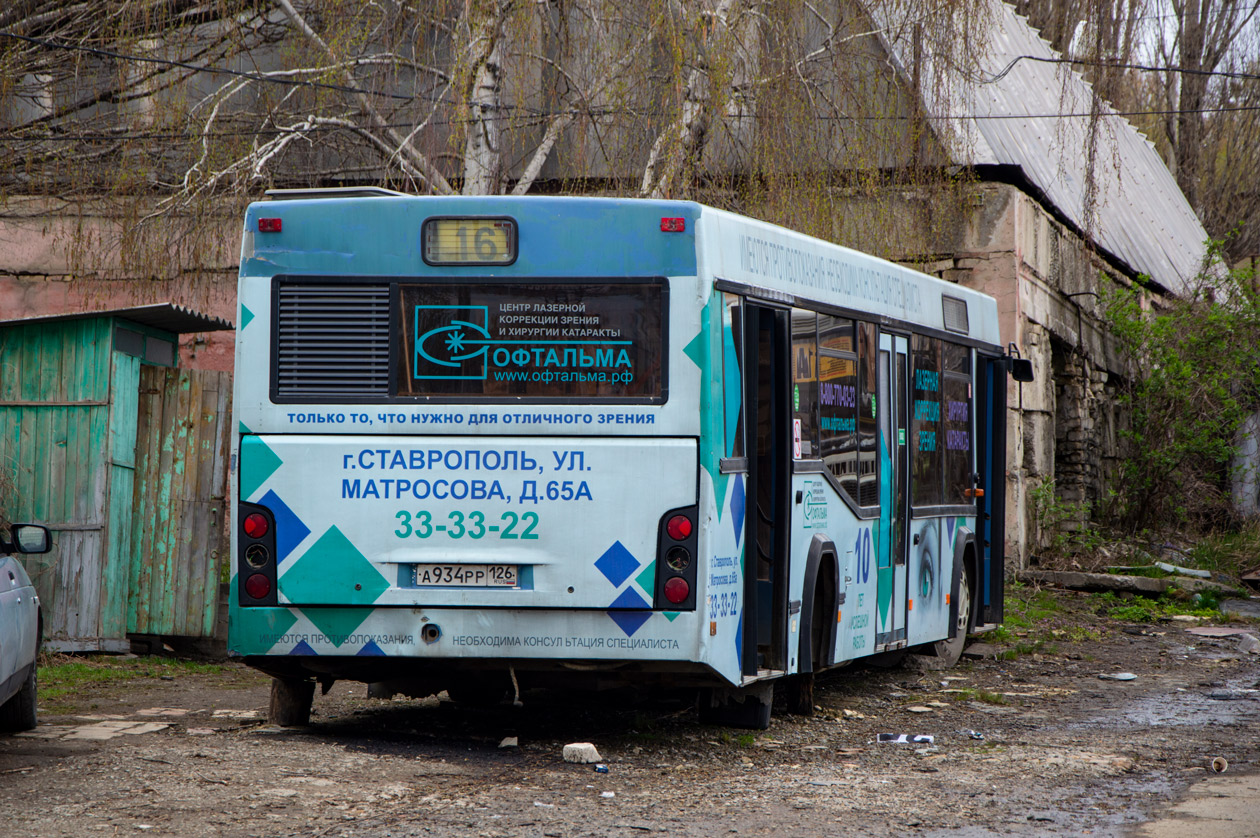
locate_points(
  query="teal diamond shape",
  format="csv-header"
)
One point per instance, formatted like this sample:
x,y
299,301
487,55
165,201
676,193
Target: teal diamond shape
x,y
332,572
647,579
337,624
258,462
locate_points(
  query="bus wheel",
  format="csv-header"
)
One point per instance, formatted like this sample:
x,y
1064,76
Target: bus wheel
x,y
798,692
747,707
291,700
482,689
949,651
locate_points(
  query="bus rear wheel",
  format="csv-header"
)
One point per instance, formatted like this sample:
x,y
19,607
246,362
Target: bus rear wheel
x,y
949,651
291,700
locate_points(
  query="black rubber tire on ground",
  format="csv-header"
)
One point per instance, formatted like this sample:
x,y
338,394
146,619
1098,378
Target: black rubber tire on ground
x,y
948,652
798,693
291,700
19,713
482,689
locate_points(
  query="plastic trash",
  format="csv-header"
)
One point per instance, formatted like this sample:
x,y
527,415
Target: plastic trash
x,y
905,738
510,742
1219,764
601,768
1117,676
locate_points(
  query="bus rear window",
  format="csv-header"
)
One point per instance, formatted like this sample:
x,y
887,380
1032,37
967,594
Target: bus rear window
x,y
532,340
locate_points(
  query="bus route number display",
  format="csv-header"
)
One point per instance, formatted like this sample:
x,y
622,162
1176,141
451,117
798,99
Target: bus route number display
x,y
549,341
469,241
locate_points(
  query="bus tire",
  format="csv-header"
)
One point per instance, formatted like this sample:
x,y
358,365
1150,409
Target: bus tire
x,y
798,693
482,689
747,707
291,700
949,651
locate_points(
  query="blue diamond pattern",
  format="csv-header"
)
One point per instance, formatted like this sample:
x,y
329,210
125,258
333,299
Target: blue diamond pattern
x,y
289,528
370,650
737,508
303,648
617,564
630,621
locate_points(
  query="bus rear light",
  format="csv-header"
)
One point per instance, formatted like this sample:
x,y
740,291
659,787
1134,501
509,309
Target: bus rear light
x,y
673,225
258,586
677,590
255,525
679,527
269,225
678,559
256,556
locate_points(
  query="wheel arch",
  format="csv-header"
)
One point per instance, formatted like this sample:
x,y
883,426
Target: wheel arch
x,y
822,556
964,562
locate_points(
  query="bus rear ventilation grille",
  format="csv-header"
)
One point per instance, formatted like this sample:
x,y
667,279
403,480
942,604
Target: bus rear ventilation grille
x,y
332,341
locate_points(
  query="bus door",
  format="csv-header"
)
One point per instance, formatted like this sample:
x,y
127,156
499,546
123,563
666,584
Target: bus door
x,y
991,468
892,415
767,388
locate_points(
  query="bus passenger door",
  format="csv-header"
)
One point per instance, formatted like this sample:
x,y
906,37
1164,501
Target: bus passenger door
x,y
767,386
991,504
894,521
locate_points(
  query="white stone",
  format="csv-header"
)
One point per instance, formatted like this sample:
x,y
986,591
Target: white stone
x,y
581,752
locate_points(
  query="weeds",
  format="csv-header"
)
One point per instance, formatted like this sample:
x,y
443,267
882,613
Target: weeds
x,y
63,675
1140,609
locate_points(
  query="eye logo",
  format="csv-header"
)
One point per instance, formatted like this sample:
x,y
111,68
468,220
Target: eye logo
x,y
451,342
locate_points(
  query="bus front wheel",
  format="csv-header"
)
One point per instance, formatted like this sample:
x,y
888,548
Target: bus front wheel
x,y
291,700
949,651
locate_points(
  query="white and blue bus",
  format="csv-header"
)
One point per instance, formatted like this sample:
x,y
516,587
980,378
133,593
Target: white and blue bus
x,y
493,442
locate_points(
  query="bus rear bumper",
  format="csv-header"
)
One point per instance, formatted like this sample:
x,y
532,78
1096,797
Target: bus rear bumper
x,y
375,644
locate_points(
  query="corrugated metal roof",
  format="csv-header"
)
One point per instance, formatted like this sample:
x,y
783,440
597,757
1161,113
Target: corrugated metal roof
x,y
166,316
1141,218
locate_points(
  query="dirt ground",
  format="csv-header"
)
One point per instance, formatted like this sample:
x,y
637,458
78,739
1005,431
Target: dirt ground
x,y
1031,746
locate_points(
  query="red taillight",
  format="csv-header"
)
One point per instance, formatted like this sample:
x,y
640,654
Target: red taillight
x,y
673,225
269,225
679,527
258,586
255,525
677,590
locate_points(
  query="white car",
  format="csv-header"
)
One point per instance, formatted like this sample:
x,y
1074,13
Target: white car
x,y
21,625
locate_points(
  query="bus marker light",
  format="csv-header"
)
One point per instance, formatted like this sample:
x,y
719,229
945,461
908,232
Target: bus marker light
x,y
673,225
679,527
256,556
910,605
677,590
255,525
947,599
258,586
712,628
839,619
269,225
678,558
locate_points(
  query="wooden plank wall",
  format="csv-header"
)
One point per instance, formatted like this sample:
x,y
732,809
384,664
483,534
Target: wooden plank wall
x,y
54,416
179,536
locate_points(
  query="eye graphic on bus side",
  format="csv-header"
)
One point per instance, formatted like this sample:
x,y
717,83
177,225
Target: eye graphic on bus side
x,y
453,343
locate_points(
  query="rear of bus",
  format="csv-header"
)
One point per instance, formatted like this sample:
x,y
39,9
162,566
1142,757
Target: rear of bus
x,y
468,440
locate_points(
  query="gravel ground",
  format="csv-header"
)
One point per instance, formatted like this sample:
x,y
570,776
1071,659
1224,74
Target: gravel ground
x,y
1031,746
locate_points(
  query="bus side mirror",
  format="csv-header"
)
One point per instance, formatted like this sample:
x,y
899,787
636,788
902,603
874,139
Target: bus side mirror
x,y
1021,369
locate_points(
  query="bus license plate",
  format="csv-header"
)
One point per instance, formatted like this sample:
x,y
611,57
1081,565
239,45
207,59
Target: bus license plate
x,y
466,575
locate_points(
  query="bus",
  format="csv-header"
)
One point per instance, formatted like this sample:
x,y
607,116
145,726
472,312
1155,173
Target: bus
x,y
486,444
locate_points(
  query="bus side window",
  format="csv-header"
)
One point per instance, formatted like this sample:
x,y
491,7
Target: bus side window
x,y
732,379
926,472
837,400
805,379
868,410
957,410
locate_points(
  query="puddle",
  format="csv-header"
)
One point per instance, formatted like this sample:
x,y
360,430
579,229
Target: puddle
x,y
1193,708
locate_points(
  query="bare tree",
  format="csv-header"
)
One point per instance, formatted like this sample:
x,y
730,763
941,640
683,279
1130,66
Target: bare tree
x,y
175,112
